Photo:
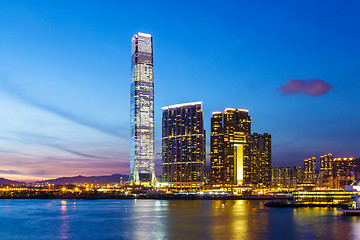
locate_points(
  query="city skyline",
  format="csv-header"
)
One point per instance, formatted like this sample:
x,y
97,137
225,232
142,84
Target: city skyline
x,y
65,80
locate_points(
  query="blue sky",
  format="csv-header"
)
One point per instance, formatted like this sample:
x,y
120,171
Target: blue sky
x,y
65,77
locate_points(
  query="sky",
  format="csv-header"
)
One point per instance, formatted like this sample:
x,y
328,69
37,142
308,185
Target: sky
x,y
65,77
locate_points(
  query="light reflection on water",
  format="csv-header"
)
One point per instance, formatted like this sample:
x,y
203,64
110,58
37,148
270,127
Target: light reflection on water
x,y
65,221
162,219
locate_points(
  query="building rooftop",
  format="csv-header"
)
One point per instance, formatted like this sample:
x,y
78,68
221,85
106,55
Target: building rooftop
x,y
216,112
238,109
144,34
182,105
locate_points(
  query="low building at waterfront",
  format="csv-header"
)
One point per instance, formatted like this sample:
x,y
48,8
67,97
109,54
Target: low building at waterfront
x,y
321,198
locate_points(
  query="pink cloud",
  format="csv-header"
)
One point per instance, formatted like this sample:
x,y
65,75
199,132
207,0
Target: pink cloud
x,y
311,87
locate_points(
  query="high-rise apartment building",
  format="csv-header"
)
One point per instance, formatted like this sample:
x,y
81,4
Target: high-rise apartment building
x,y
277,176
343,167
230,147
142,168
217,169
310,168
183,144
326,166
297,176
343,172
287,177
261,158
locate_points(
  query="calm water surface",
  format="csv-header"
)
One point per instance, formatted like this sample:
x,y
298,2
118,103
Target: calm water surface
x,y
163,219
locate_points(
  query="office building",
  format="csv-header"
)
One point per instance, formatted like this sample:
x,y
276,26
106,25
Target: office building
x,y
142,168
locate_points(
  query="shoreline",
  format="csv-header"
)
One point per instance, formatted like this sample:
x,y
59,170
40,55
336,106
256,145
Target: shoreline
x,y
164,197
186,197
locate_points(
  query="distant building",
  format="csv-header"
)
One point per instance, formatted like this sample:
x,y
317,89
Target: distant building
x,y
287,177
310,168
261,158
326,166
230,148
357,167
326,179
334,173
291,178
183,145
297,176
278,177
275,182
343,167
343,172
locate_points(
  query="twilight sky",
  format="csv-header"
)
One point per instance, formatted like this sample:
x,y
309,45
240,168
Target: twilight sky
x,y
65,77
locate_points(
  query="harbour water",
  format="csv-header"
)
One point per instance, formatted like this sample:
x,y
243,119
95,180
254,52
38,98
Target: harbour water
x,y
169,219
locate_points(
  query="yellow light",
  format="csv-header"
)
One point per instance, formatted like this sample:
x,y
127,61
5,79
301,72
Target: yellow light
x,y
239,162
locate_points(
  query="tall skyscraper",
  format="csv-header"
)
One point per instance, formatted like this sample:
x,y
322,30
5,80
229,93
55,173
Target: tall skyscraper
x,y
142,167
183,144
230,147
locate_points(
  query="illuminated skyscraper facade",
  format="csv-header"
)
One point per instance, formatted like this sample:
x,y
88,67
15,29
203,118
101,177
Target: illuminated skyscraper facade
x,y
261,159
142,167
217,168
183,144
230,147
